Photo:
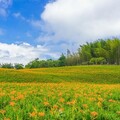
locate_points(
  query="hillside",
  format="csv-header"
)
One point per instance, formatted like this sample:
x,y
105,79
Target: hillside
x,y
83,74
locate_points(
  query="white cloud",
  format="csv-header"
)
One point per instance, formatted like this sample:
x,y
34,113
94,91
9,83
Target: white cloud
x,y
20,16
79,21
23,53
4,4
36,23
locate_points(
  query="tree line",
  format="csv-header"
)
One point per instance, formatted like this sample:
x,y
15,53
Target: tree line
x,y
101,52
98,52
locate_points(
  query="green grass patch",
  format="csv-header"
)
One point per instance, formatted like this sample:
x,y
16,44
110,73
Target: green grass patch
x,y
85,74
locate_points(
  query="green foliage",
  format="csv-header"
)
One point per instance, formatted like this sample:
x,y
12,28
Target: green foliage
x,y
72,59
18,66
7,65
100,60
53,63
33,64
43,63
62,60
101,52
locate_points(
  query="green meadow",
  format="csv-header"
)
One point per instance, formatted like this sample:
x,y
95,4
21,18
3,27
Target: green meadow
x,y
61,93
83,74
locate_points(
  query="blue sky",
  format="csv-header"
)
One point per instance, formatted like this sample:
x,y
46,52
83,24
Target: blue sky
x,y
19,30
44,29
18,35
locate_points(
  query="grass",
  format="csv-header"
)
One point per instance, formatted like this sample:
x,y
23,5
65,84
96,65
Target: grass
x,y
66,93
83,74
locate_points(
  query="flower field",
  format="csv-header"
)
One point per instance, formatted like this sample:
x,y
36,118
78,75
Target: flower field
x,y
61,99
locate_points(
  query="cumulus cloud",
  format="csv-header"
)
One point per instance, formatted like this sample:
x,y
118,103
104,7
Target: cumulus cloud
x,y
4,4
80,20
23,53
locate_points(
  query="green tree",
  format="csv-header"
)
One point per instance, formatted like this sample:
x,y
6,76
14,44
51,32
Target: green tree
x,y
62,60
7,65
18,66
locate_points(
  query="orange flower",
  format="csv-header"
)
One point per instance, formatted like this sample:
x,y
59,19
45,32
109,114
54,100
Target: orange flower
x,y
60,94
45,99
99,104
55,106
85,94
20,96
13,92
68,103
2,111
46,103
6,118
92,99
118,112
111,100
61,109
12,104
13,98
61,100
81,111
85,105
33,114
100,99
94,114
41,114
73,102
